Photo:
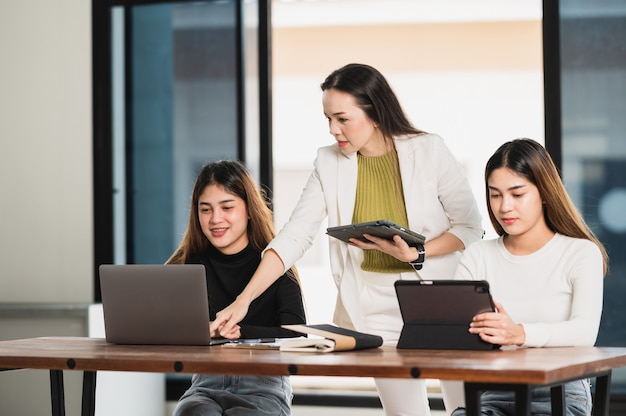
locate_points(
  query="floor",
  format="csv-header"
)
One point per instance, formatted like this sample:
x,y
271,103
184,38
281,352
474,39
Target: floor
x,y
345,411
361,386
334,411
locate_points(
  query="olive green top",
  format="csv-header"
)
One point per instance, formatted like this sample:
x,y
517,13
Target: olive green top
x,y
379,196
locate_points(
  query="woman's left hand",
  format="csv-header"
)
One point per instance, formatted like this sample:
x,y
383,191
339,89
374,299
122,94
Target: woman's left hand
x,y
397,247
444,244
498,327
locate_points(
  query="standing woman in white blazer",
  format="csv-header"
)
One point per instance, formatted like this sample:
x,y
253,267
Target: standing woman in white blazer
x,y
381,167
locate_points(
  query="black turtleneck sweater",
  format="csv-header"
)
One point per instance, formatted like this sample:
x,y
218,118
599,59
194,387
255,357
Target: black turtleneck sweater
x,y
226,277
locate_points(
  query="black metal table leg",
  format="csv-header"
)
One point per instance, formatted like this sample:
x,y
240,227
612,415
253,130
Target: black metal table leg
x,y
472,399
89,393
57,392
557,400
602,394
473,392
522,400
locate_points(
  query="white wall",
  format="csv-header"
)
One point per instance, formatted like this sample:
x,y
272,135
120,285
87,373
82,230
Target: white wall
x,y
46,237
474,113
45,151
477,83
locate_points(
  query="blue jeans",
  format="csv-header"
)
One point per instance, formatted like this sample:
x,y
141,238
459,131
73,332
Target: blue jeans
x,y
236,396
502,403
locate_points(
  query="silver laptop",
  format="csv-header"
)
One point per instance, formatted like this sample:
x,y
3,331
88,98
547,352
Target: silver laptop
x,y
155,304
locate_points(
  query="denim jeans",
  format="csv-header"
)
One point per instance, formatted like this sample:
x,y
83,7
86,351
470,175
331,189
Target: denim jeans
x,y
502,403
236,396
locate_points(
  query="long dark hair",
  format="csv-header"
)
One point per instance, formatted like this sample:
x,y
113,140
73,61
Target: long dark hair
x,y
374,96
531,160
235,178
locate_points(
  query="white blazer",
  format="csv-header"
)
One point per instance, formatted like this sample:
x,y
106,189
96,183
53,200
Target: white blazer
x,y
437,195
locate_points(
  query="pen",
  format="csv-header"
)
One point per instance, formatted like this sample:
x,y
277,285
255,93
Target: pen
x,y
223,341
254,341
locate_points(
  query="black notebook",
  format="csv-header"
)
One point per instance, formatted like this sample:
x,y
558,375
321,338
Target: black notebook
x,y
437,313
333,338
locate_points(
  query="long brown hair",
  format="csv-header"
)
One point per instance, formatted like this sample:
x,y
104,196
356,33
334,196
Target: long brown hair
x,y
235,178
374,96
531,160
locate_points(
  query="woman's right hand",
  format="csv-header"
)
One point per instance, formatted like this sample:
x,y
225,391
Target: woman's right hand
x,y
235,333
269,270
228,318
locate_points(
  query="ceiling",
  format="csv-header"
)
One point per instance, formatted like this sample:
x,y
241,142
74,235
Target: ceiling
x,y
296,13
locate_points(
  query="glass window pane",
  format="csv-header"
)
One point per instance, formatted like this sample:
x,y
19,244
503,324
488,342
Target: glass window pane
x,y
593,88
181,107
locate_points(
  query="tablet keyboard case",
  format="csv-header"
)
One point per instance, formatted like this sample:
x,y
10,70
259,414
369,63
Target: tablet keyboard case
x,y
437,314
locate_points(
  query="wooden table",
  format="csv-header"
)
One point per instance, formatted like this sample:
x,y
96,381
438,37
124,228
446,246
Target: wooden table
x,y
518,370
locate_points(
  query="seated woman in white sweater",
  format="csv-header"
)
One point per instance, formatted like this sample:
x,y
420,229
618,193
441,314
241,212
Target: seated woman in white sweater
x,y
545,270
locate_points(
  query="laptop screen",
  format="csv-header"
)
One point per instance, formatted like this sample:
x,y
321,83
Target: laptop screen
x,y
155,304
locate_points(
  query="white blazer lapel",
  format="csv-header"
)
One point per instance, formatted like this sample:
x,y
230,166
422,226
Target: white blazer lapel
x,y
410,178
347,173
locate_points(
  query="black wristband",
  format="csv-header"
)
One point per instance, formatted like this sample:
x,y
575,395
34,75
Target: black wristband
x,y
419,262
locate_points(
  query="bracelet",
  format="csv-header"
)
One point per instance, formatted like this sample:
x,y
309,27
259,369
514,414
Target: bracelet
x,y
419,262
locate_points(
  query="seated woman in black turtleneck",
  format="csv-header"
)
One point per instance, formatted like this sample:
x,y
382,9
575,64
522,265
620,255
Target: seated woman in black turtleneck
x,y
229,226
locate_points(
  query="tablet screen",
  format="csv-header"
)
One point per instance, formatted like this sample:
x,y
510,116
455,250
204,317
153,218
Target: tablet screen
x,y
443,301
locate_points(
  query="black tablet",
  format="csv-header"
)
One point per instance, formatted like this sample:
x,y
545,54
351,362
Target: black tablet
x,y
381,228
437,313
